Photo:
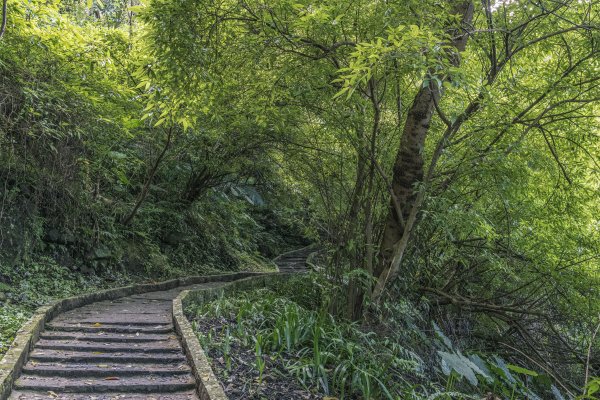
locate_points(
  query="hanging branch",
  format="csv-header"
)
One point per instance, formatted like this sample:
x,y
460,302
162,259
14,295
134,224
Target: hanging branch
x,y
4,12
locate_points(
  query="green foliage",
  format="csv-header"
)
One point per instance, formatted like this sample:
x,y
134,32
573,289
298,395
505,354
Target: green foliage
x,y
36,283
331,356
591,389
76,150
11,319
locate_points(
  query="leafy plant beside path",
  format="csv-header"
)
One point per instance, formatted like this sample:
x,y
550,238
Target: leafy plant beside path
x,y
285,333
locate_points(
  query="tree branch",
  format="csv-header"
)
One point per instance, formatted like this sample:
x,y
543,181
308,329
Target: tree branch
x,y
150,178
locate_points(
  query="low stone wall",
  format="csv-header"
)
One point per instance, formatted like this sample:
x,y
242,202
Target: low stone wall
x,y
14,359
208,386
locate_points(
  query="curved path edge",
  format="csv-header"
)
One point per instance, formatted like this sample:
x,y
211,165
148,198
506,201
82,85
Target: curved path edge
x,y
208,386
17,355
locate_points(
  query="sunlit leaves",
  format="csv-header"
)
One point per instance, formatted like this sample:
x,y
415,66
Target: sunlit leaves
x,y
414,49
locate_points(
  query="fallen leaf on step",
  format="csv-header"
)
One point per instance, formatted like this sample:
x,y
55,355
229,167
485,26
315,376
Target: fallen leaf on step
x,y
111,378
52,394
97,324
102,366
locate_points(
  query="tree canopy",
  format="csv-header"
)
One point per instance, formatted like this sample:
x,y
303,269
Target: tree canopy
x,y
444,154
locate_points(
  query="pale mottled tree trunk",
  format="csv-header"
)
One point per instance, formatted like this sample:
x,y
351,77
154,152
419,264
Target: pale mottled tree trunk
x,y
409,165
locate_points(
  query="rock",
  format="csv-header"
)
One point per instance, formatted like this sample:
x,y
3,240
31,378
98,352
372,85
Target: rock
x,y
3,297
63,257
4,279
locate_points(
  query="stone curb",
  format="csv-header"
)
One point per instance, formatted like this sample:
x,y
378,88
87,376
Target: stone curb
x,y
18,353
208,386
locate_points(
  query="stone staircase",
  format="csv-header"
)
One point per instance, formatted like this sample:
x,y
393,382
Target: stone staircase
x,y
294,261
120,349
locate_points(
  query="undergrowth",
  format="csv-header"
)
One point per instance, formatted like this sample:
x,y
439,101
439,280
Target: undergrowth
x,y
290,323
29,285
11,319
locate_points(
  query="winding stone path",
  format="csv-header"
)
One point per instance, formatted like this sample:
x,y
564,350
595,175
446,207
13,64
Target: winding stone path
x,y
124,349
120,349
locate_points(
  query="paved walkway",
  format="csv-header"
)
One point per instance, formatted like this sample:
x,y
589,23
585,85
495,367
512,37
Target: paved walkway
x,y
120,349
124,349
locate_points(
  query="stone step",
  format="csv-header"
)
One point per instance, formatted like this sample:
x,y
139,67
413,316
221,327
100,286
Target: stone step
x,y
145,384
130,357
128,308
151,300
169,346
152,297
151,319
28,395
92,312
110,328
104,370
106,337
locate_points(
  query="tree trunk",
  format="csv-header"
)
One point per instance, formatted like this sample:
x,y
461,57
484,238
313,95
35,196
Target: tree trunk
x,y
142,196
357,287
408,168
